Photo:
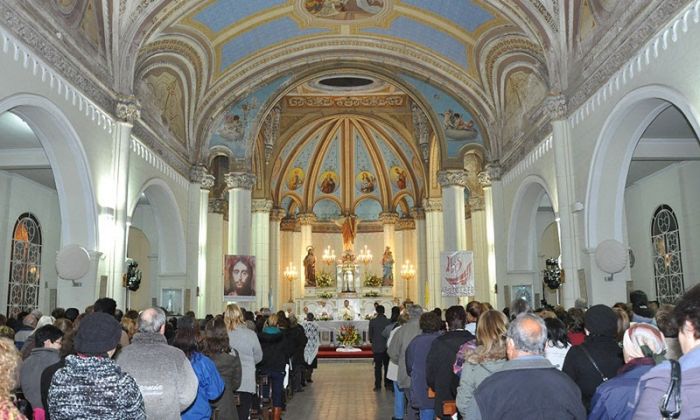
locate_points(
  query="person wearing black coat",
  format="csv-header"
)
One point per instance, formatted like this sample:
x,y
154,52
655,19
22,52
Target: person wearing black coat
x,y
442,355
601,345
297,340
378,341
276,353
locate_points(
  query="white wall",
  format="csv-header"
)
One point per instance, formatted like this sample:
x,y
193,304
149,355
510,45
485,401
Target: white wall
x,y
674,186
20,195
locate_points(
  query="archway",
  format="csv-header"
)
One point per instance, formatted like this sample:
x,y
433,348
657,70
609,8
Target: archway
x,y
533,238
605,216
52,158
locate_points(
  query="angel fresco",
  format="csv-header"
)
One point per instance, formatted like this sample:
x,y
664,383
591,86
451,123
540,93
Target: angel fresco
x,y
343,9
231,128
456,128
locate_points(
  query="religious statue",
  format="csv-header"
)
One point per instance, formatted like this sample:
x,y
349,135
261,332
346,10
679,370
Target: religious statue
x,y
387,268
310,268
348,227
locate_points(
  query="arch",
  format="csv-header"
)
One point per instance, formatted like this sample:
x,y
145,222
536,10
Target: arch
x,y
521,233
69,164
171,232
604,215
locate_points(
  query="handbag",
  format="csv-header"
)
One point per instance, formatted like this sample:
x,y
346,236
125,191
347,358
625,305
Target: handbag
x,y
595,365
673,393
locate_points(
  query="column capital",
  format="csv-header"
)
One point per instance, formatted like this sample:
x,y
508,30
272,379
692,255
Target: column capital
x,y
418,213
476,203
555,106
128,109
288,224
260,205
452,177
306,218
277,214
388,218
243,180
432,204
199,175
218,206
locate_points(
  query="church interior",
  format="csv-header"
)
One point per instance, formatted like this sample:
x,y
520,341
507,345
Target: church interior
x,y
299,153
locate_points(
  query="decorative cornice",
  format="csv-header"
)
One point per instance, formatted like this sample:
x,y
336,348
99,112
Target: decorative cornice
x,y
535,155
388,218
52,62
242,180
453,177
145,153
379,101
218,206
630,58
145,134
128,109
432,204
306,218
260,205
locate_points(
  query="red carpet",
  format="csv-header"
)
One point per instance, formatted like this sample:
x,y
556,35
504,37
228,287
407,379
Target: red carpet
x,y
326,352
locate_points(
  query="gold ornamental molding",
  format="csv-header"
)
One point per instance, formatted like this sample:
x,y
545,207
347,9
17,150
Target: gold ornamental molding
x,y
388,101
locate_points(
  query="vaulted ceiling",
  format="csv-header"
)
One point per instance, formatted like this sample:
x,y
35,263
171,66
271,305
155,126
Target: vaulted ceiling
x,y
193,63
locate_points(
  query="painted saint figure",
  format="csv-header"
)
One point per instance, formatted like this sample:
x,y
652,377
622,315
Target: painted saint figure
x,y
310,268
328,184
387,268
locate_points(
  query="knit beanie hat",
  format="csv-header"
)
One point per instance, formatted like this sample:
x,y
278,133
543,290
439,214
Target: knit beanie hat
x,y
98,333
601,320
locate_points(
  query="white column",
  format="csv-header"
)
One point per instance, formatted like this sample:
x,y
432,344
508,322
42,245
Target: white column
x,y
206,182
481,249
434,244
421,265
127,113
453,182
306,220
490,181
566,207
240,185
389,220
214,290
261,249
276,279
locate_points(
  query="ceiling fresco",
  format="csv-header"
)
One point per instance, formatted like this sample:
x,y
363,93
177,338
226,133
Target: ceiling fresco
x,y
209,72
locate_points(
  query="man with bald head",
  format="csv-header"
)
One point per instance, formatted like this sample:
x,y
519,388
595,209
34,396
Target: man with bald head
x,y
528,386
163,373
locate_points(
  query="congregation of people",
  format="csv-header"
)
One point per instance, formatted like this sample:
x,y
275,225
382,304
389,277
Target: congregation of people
x,y
103,364
634,360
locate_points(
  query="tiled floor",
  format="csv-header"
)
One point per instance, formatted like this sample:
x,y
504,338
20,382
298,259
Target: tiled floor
x,y
341,390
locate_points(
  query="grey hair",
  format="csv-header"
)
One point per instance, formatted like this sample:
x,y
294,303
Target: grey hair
x,y
519,306
414,311
151,320
528,341
581,303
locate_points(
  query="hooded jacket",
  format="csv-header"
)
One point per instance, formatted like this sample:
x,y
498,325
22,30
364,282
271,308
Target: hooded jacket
x,y
163,373
276,350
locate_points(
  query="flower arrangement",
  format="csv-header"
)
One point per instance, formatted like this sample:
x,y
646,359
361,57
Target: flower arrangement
x,y
372,293
324,280
348,335
325,295
373,281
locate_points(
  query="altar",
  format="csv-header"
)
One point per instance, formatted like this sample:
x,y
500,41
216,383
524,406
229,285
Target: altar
x,y
328,331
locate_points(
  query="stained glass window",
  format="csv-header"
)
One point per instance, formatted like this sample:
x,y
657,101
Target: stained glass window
x,y
666,250
25,265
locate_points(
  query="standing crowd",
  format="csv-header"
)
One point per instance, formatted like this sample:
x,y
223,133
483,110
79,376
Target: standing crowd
x,y
634,360
102,364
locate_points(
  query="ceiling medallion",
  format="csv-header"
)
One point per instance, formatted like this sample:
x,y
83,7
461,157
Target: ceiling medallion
x,y
341,12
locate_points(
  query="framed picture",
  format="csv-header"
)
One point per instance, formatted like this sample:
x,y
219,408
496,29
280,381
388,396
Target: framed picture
x,y
524,292
239,277
171,300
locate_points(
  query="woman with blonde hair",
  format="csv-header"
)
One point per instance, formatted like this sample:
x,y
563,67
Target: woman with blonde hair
x,y
247,345
486,358
9,364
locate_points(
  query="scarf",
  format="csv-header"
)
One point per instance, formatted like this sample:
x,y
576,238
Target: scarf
x,y
311,348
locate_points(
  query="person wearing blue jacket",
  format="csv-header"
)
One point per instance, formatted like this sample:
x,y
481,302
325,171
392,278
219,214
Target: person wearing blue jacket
x,y
211,385
642,345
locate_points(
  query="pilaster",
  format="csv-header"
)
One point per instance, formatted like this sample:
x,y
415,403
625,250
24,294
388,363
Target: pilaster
x,y
240,185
